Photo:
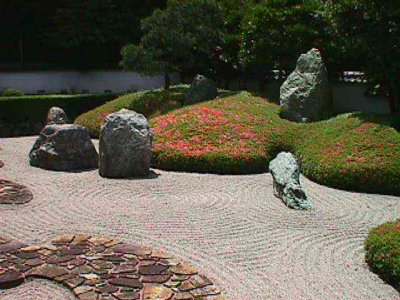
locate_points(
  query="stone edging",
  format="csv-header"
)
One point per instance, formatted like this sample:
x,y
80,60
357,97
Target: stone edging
x,y
97,268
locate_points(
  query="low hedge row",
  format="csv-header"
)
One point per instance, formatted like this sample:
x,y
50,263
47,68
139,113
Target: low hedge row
x,y
35,108
239,133
382,252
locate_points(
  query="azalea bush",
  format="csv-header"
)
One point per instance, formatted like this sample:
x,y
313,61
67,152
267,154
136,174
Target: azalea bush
x,y
382,248
239,133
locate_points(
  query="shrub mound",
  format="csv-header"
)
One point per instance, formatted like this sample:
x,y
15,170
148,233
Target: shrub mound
x,y
149,103
238,133
382,248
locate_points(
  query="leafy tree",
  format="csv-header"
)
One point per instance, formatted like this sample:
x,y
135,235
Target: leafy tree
x,y
276,32
182,38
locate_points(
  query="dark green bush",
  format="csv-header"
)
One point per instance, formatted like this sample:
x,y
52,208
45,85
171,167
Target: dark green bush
x,y
382,248
35,108
11,93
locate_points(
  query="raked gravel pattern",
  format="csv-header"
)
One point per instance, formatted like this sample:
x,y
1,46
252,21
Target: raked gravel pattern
x,y
231,228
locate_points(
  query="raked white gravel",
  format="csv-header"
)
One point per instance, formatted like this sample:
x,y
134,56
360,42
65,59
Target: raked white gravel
x,y
231,228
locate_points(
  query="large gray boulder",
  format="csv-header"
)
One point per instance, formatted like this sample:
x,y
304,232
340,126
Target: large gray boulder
x,y
305,96
64,147
125,145
286,175
57,115
200,90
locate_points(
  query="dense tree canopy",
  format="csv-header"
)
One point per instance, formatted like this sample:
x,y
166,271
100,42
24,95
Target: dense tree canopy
x,y
84,34
182,38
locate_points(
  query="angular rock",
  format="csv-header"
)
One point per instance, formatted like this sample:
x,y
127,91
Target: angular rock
x,y
200,90
125,145
64,148
47,271
286,179
56,116
305,96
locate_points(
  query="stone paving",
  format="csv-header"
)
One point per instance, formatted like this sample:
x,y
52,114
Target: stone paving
x,y
14,193
96,268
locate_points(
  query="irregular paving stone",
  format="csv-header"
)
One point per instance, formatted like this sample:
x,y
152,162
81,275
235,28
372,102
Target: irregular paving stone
x,y
11,279
155,278
107,275
127,282
132,249
82,289
127,296
63,239
74,282
152,269
80,239
126,268
197,281
156,292
183,269
205,291
89,296
108,289
11,247
47,271
183,296
14,193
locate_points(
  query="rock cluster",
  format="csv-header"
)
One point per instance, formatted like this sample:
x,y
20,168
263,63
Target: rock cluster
x,y
57,116
305,96
96,268
64,148
125,145
286,179
200,90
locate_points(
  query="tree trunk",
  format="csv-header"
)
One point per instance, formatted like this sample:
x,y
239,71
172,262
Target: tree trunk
x,y
21,47
167,80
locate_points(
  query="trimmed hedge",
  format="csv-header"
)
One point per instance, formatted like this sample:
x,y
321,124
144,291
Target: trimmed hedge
x,y
239,133
11,93
382,248
35,108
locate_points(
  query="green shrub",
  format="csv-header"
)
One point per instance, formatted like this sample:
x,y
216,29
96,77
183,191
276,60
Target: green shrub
x,y
149,103
382,248
239,133
12,92
35,108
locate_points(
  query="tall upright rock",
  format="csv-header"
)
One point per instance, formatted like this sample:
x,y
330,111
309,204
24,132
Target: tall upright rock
x,y
125,145
306,96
